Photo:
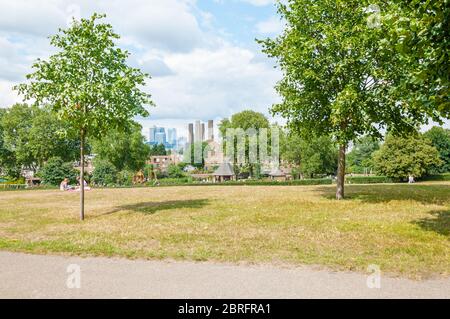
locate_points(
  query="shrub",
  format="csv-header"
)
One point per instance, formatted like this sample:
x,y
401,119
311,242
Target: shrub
x,y
175,171
125,178
55,170
438,177
104,173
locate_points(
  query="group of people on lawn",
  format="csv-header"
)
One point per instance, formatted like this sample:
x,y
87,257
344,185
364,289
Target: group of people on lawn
x,y
65,186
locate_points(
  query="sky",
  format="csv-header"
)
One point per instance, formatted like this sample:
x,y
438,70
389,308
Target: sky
x,y
201,54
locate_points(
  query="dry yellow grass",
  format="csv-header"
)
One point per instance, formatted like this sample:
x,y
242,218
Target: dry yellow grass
x,y
404,229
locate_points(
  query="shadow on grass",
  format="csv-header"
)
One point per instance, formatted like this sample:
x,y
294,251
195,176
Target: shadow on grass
x,y
379,193
154,207
439,222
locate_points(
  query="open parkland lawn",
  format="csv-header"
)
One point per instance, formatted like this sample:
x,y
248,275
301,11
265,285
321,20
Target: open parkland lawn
x,y
405,229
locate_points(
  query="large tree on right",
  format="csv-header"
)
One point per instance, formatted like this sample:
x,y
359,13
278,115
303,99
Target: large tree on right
x,y
337,78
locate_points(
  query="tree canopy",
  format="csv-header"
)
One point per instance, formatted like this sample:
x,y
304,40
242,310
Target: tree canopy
x,y
310,157
418,34
124,149
440,138
400,157
88,82
360,157
247,121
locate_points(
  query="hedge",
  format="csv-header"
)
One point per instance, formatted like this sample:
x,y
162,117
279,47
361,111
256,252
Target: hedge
x,y
439,177
369,180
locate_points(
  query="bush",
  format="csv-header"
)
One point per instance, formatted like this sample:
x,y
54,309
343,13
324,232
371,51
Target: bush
x,y
104,173
175,171
370,180
55,170
172,181
438,177
125,178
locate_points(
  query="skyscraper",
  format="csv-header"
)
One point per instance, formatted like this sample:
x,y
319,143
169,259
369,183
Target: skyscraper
x,y
198,132
210,130
190,133
172,136
151,137
203,131
160,136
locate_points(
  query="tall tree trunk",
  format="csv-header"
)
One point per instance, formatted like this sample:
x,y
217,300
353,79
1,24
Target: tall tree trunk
x,y
82,174
341,173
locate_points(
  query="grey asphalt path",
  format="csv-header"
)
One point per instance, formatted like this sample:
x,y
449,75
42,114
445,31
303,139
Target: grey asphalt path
x,y
34,276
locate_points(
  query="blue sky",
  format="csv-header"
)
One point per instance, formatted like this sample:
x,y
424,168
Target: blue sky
x,y
202,54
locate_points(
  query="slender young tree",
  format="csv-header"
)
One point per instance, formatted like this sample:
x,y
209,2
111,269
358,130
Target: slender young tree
x,y
88,83
336,79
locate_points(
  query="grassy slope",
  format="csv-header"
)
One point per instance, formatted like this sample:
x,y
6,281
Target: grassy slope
x,y
403,228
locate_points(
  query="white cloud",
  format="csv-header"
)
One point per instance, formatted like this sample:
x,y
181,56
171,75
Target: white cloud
x,y
259,3
273,25
210,83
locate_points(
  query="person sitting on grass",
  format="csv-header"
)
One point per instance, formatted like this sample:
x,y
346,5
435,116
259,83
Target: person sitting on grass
x,y
86,186
64,186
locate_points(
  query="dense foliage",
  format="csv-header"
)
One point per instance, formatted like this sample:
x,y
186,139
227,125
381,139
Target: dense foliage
x,y
440,138
29,136
359,160
249,124
104,174
400,157
317,155
126,150
55,170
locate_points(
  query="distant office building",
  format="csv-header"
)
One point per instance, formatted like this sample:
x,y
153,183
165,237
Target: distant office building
x,y
172,136
181,143
157,135
190,133
210,130
198,132
151,136
160,138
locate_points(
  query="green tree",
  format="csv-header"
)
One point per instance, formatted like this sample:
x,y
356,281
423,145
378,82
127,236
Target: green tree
x,y
245,120
55,170
8,165
126,150
400,157
48,138
336,80
360,157
33,135
88,83
417,33
311,157
174,171
125,177
16,124
104,173
158,150
440,138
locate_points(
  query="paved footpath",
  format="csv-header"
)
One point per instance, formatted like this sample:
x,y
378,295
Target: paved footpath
x,y
33,276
